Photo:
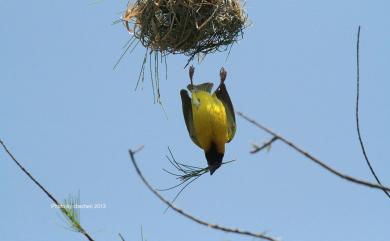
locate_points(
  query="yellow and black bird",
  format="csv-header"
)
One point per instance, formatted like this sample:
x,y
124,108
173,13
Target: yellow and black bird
x,y
209,118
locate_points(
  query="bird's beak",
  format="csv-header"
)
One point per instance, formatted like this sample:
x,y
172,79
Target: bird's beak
x,y
214,158
213,168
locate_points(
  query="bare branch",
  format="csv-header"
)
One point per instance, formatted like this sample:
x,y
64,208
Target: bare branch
x,y
189,216
314,159
80,229
357,113
257,148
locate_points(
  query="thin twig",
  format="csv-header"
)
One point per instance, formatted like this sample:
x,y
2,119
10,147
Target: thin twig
x,y
357,113
314,159
189,216
257,148
121,237
81,230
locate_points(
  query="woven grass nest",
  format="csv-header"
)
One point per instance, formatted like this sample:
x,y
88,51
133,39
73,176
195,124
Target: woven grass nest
x,y
186,27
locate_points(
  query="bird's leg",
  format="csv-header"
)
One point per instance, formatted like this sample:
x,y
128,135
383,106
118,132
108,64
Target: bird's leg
x,y
222,76
191,73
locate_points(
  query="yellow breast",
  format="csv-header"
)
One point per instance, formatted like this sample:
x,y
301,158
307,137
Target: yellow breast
x,y
210,122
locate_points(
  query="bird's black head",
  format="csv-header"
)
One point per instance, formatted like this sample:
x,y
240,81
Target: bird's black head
x,y
214,158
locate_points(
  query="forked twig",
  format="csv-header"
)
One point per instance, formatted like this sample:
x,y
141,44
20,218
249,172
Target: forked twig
x,y
267,144
357,113
312,158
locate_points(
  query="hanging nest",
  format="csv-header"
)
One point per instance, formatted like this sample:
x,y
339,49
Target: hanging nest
x,y
188,27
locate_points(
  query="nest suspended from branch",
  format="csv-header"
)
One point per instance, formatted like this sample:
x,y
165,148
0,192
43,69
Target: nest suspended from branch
x,y
188,27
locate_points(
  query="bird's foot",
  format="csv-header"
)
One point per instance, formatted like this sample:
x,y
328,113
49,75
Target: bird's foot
x,y
222,75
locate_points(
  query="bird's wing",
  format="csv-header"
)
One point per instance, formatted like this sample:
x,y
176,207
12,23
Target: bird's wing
x,y
223,96
187,113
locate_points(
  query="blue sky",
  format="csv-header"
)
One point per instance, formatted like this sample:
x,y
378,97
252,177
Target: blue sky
x,y
70,119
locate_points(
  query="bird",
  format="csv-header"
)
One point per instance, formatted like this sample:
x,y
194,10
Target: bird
x,y
209,118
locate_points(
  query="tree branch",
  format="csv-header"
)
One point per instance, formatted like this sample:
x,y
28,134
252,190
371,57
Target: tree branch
x,y
80,229
357,113
189,216
314,159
